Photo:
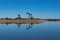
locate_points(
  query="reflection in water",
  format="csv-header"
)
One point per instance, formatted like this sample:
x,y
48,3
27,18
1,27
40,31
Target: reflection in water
x,y
19,25
30,25
6,23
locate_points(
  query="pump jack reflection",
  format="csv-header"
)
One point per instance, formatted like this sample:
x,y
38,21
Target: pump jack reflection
x,y
29,26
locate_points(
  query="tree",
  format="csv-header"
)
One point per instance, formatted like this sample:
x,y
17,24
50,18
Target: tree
x,y
19,16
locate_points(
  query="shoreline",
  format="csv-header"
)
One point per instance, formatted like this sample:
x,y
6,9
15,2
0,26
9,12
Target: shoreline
x,y
24,20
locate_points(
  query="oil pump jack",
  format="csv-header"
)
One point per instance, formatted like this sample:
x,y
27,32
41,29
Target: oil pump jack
x,y
30,15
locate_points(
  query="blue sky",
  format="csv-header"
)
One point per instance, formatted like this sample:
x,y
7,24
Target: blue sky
x,y
39,8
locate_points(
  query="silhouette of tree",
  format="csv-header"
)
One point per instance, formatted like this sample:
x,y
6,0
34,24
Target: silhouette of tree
x,y
19,16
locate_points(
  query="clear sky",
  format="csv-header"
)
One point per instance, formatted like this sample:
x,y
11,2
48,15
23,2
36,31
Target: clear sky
x,y
39,8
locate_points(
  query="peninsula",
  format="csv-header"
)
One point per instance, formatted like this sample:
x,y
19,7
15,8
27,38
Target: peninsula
x,y
19,20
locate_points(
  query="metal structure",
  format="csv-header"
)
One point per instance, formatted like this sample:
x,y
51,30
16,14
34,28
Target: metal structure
x,y
30,15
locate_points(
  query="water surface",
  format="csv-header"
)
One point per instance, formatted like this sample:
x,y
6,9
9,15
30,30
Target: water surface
x,y
42,31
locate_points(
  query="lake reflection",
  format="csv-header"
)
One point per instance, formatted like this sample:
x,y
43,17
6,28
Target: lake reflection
x,y
41,31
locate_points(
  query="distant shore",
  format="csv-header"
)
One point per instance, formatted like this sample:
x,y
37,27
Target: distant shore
x,y
52,19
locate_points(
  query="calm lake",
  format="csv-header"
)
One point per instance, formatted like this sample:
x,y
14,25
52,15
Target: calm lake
x,y
42,31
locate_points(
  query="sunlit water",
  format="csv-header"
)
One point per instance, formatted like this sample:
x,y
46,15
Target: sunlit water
x,y
42,31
